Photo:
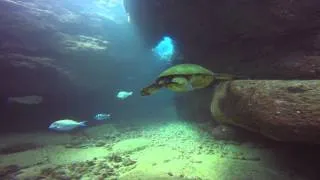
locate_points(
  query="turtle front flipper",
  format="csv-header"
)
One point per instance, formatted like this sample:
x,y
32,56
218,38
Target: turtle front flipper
x,y
183,83
149,90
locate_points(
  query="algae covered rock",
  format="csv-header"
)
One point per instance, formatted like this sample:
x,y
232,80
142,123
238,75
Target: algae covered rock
x,y
281,110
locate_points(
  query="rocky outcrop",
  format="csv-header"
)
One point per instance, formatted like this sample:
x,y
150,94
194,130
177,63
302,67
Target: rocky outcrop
x,y
276,39
281,110
60,44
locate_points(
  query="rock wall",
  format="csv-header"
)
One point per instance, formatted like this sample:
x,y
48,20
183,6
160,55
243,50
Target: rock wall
x,y
263,40
60,44
281,110
277,39
71,53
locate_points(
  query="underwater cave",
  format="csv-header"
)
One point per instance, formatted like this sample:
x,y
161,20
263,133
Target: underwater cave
x,y
147,89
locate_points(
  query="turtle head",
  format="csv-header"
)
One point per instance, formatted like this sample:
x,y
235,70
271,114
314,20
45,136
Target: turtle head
x,y
149,90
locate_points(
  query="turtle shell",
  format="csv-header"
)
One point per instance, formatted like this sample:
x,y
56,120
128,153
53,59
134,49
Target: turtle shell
x,y
185,70
197,76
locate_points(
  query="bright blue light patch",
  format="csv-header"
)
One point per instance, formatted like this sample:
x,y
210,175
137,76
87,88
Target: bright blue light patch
x,y
99,10
165,49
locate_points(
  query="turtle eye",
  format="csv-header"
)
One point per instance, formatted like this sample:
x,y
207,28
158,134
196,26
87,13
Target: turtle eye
x,y
165,81
161,82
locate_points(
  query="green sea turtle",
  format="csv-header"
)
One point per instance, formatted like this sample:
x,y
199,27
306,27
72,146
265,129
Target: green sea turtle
x,y
183,78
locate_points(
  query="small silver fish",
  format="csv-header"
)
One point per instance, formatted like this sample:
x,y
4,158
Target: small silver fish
x,y
102,116
66,125
124,94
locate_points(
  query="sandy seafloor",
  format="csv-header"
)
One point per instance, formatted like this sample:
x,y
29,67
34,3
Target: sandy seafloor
x,y
163,148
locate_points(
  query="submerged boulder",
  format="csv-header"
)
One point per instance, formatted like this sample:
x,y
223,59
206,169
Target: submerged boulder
x,y
281,110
